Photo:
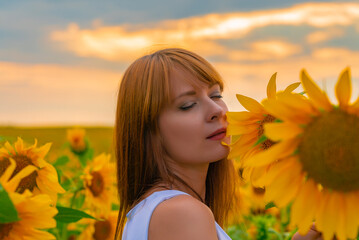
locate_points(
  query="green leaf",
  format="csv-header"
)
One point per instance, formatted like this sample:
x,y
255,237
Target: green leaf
x,y
261,140
85,156
115,207
269,205
277,234
66,184
61,161
69,215
79,201
8,211
59,174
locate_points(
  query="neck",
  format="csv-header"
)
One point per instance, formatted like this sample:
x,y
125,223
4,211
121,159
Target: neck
x,y
195,177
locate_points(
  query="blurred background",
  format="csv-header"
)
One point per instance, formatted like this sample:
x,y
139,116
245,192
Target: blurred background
x,y
61,61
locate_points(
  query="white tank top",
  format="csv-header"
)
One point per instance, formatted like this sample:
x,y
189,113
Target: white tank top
x,y
138,218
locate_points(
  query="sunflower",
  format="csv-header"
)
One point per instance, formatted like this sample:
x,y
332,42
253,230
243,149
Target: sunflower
x,y
35,212
43,180
76,138
315,163
247,127
99,182
240,207
103,229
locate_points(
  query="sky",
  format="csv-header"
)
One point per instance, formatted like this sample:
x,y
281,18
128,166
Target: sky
x,y
61,62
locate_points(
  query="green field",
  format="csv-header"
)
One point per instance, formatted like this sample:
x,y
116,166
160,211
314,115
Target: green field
x,y
100,138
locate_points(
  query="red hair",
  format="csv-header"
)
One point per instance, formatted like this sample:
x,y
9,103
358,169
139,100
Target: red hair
x,y
143,93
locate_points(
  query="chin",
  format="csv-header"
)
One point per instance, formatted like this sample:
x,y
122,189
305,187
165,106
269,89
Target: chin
x,y
222,152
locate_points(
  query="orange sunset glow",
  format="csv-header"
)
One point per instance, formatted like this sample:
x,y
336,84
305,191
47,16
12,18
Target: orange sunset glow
x,y
67,70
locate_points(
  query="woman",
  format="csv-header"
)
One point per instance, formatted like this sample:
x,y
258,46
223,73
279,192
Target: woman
x,y
174,180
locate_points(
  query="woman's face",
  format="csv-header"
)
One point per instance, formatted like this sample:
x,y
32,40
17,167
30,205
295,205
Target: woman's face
x,y
194,124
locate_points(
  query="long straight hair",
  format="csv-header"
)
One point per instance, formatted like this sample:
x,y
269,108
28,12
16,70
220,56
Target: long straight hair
x,y
144,91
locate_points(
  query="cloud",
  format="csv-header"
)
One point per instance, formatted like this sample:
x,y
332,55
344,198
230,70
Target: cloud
x,y
323,36
265,50
57,77
127,42
44,93
323,65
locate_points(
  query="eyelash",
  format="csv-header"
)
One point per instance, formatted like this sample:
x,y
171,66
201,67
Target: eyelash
x,y
217,96
187,107
184,108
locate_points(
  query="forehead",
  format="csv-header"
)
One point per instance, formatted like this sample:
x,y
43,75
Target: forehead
x,y
181,79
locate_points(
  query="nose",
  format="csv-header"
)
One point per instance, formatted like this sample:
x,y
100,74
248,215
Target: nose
x,y
216,112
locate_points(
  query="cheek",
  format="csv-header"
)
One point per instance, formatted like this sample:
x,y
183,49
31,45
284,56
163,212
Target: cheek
x,y
181,136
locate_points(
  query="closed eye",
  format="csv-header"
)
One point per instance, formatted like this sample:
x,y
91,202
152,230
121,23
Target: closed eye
x,y
186,107
217,96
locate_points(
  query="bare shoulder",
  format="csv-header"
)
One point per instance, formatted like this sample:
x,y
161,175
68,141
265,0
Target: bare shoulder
x,y
182,217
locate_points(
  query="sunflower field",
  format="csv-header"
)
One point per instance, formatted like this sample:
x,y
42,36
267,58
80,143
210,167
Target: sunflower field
x,y
296,154
65,189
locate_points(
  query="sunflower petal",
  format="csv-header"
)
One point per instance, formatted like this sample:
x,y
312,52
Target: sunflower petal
x,y
250,117
356,103
33,145
275,152
291,87
351,214
340,231
326,216
10,148
319,98
3,152
237,129
282,111
308,193
271,87
298,103
43,150
244,144
257,176
281,131
343,88
274,170
283,189
8,172
19,145
15,181
250,104
49,177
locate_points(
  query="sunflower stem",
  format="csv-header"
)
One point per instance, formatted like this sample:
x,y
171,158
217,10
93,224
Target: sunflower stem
x,y
279,236
74,196
64,231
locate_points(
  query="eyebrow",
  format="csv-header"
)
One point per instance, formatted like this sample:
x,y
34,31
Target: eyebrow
x,y
188,93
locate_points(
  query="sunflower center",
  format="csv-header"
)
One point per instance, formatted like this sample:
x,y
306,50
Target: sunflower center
x,y
102,230
258,191
97,184
28,182
329,151
5,229
78,145
72,237
267,143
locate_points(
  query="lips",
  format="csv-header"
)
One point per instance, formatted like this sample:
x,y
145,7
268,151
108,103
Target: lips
x,y
218,134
